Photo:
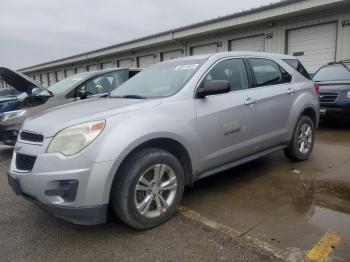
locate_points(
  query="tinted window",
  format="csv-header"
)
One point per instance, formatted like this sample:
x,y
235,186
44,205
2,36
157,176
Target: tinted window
x,y
268,72
105,83
295,63
332,73
231,70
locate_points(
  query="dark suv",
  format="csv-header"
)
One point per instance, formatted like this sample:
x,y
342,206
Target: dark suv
x,y
334,82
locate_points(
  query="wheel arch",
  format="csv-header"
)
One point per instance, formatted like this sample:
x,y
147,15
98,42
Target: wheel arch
x,y
170,145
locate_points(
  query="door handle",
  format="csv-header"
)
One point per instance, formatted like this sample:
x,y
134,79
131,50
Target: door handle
x,y
250,101
291,91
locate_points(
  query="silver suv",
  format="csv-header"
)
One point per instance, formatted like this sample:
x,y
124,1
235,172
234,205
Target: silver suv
x,y
169,126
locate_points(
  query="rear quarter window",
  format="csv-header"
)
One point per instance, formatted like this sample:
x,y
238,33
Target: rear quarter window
x,y
295,63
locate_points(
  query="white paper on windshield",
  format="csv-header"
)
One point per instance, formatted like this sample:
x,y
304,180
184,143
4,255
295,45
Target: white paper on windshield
x,y
186,67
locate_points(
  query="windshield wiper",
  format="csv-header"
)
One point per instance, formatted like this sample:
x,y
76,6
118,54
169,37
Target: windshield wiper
x,y
130,97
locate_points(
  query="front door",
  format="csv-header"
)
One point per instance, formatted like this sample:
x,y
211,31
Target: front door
x,y
227,123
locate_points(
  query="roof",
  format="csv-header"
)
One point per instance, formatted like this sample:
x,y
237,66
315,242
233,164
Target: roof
x,y
169,34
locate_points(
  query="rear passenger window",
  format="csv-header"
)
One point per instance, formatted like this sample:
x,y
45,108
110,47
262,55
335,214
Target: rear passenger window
x,y
231,70
295,63
268,72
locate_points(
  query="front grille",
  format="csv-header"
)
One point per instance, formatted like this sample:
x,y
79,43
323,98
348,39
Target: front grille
x,y
328,97
25,162
32,137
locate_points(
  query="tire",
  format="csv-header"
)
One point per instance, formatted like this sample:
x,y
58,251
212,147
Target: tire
x,y
294,151
127,202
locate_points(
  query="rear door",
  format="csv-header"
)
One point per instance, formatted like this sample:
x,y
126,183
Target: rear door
x,y
227,123
275,94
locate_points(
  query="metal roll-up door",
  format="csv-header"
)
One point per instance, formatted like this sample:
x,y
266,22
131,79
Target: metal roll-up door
x,y
125,62
171,55
44,79
146,61
59,75
250,44
106,65
51,78
205,49
80,70
314,46
92,68
69,72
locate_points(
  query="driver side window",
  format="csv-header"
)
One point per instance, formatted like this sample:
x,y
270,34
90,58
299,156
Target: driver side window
x,y
231,70
103,84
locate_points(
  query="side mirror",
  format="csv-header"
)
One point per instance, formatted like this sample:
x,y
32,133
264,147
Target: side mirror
x,y
82,94
214,87
36,90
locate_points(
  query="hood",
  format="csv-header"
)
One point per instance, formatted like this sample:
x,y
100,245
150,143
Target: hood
x,y
51,121
20,82
334,86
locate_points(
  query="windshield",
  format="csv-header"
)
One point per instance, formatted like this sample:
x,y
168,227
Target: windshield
x,y
65,84
160,80
336,72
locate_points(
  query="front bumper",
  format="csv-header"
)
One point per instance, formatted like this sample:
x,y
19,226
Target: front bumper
x,y
340,107
77,215
72,188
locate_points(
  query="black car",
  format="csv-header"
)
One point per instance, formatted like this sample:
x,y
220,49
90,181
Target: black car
x,y
35,98
334,82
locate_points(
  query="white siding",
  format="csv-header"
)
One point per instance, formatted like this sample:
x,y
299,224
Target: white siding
x,y
314,46
251,44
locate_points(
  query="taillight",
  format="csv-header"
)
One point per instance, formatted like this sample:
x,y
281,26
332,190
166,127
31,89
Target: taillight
x,y
317,88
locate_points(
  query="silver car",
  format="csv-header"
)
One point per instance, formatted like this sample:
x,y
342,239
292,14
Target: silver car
x,y
169,126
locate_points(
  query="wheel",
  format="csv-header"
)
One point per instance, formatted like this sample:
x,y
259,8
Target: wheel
x,y
302,141
148,188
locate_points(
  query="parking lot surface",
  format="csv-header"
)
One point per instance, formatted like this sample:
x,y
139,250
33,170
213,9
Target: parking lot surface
x,y
299,208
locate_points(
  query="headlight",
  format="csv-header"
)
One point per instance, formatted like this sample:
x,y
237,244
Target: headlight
x,y
72,140
12,114
348,94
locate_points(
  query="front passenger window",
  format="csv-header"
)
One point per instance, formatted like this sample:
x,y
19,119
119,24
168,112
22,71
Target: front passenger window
x,y
231,70
268,72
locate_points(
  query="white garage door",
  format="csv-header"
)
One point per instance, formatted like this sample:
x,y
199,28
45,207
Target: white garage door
x,y
204,49
314,46
80,69
106,65
44,80
250,44
51,78
69,72
171,55
59,75
145,61
37,78
92,68
125,62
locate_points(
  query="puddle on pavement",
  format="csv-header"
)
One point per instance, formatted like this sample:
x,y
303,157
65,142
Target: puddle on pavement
x,y
326,203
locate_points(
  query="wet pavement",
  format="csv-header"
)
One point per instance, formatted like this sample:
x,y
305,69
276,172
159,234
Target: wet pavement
x,y
289,205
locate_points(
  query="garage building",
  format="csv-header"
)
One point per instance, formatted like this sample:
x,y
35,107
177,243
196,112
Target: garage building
x,y
315,31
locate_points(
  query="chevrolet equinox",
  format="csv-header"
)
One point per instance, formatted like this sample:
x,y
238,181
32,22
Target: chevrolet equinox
x,y
169,126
